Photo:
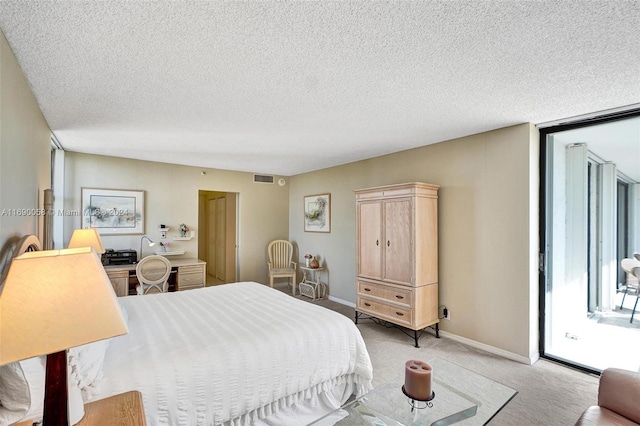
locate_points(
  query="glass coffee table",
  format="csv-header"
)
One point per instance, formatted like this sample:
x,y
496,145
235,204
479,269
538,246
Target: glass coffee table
x,y
460,395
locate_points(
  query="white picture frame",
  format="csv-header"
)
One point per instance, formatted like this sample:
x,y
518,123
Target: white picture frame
x,y
113,211
317,213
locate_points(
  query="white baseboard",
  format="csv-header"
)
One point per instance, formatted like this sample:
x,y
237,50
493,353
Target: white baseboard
x,y
342,302
492,349
487,348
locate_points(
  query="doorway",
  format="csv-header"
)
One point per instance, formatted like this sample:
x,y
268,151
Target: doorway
x,y
589,223
218,235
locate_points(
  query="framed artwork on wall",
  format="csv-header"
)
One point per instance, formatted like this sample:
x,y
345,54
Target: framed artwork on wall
x,y
113,211
317,213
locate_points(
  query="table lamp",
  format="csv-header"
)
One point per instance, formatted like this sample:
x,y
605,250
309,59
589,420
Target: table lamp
x,y
87,238
51,301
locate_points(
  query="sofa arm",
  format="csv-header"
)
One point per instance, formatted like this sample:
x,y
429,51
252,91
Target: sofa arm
x,y
619,391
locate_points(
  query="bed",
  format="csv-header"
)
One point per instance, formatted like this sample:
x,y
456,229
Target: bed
x,y
235,354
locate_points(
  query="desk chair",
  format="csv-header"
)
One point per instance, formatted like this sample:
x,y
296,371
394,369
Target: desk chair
x,y
280,263
153,272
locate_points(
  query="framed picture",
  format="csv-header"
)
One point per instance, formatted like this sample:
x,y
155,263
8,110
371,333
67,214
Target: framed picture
x,y
317,213
113,211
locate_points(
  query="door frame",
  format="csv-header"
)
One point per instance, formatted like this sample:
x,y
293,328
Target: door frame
x,y
542,218
233,208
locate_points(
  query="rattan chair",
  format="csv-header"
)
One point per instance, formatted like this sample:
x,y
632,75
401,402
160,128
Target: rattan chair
x,y
280,263
153,272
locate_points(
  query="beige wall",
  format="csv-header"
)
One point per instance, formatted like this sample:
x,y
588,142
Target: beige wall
x,y
488,210
171,198
24,152
487,229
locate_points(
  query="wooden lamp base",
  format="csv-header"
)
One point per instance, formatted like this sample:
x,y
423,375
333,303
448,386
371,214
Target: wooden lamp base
x,y
56,409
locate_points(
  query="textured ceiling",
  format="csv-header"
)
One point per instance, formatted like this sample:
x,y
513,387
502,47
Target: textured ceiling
x,y
289,87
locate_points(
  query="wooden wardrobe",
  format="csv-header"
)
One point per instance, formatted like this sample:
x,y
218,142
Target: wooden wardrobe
x,y
397,255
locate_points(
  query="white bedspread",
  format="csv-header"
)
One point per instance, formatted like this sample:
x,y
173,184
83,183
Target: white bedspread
x,y
231,354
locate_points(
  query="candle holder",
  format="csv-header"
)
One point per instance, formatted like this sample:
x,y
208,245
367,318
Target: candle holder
x,y
419,403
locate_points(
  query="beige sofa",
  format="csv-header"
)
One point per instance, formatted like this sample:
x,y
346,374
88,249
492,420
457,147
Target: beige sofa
x,y
618,400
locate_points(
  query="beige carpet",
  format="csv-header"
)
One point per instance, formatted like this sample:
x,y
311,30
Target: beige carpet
x,y
548,393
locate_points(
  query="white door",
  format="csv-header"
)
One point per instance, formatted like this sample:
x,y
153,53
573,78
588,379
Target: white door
x,y
211,238
220,240
584,323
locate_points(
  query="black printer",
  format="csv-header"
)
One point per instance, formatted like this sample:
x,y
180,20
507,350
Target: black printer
x,y
119,257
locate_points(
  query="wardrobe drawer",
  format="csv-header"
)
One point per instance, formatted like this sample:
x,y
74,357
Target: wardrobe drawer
x,y
395,314
396,295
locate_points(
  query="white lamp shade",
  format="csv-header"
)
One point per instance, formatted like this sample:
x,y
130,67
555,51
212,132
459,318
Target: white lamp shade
x,y
56,299
87,238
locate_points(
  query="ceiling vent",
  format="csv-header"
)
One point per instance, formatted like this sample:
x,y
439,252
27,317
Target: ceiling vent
x,y
262,179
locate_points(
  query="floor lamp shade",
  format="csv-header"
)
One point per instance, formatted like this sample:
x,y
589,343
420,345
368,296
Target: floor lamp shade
x,y
56,299
87,238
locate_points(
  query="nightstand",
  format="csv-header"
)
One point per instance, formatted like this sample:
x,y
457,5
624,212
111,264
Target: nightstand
x,y
124,409
311,285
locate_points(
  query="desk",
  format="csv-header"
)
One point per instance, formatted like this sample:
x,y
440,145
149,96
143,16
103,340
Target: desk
x,y
189,274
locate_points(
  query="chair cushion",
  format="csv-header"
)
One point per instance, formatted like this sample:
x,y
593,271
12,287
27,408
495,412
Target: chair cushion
x,y
279,271
598,416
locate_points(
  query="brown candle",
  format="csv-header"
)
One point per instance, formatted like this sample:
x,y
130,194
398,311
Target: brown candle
x,y
417,380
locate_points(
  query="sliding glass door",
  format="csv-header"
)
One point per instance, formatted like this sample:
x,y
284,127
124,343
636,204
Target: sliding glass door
x,y
591,221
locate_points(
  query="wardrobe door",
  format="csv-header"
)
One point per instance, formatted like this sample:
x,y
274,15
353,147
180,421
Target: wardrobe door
x,y
398,243
369,239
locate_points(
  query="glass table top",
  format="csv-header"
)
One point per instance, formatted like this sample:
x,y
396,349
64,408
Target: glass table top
x,y
460,395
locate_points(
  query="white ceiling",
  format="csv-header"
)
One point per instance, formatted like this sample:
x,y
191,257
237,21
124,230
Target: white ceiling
x,y
289,87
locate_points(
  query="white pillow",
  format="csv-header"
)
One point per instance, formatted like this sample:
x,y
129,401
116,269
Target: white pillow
x,y
22,390
85,366
85,363
125,314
